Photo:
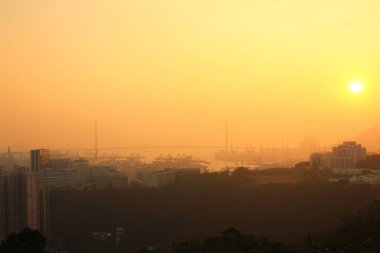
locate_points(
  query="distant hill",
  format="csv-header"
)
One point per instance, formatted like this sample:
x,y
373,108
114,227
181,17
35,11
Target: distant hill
x,y
370,139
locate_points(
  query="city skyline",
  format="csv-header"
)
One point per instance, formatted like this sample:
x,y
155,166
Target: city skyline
x,y
172,126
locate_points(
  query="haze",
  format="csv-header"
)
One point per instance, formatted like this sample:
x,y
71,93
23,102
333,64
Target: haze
x,y
171,72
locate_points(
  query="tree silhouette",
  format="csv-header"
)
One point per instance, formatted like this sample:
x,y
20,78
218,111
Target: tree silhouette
x,y
232,241
27,240
359,233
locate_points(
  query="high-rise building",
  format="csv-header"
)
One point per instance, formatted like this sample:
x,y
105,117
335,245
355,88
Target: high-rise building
x,y
348,155
20,203
44,210
344,156
39,159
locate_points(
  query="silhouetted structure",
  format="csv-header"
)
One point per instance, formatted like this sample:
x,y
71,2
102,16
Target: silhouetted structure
x,y
19,203
39,159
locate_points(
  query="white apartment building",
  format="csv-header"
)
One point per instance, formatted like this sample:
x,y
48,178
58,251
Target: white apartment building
x,y
348,155
344,156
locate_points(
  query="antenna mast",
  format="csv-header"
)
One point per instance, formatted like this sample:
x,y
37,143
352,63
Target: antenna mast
x,y
226,137
96,140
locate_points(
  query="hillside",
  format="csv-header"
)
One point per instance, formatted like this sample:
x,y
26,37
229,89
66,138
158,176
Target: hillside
x,y
370,139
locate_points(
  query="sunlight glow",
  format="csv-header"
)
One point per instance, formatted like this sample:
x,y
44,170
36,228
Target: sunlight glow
x,y
356,87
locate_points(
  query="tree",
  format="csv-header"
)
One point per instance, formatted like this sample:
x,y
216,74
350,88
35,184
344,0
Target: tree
x,y
27,240
232,241
359,233
242,172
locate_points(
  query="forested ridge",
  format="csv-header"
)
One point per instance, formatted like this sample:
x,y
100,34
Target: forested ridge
x,y
193,208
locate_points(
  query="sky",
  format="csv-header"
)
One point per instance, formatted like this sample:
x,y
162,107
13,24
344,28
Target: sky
x,y
171,72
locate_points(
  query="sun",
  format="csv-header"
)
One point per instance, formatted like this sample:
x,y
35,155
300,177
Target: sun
x,y
356,87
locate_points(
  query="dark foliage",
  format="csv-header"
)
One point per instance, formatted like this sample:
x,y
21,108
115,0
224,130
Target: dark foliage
x,y
242,172
372,162
196,207
27,240
302,165
231,241
358,233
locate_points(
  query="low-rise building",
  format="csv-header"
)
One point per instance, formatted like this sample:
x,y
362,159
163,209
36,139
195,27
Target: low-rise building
x,y
365,179
161,178
321,161
114,180
57,178
61,164
82,169
107,177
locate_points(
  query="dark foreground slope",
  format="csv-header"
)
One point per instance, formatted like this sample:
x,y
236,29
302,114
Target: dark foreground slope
x,y
201,206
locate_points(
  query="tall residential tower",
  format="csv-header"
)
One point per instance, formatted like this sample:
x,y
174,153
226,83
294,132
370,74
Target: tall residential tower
x,y
39,159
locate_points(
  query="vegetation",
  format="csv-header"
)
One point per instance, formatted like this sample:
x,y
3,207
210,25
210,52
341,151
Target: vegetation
x,y
372,162
27,240
232,241
359,232
196,207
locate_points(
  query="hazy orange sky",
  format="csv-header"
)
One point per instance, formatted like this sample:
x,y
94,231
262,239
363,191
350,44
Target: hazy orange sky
x,y
171,72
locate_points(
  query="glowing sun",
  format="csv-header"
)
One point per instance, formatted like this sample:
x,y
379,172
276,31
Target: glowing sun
x,y
356,87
